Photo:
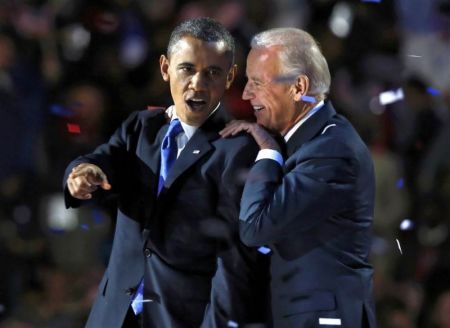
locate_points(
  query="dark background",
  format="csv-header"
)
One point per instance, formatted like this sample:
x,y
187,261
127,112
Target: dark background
x,y
71,71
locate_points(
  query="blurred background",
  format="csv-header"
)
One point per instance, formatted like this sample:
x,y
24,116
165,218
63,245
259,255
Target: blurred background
x,y
71,71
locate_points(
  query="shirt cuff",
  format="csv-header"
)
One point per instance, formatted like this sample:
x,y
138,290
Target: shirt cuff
x,y
270,154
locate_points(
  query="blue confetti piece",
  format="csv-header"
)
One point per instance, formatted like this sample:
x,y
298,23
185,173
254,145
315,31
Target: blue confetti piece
x,y
99,218
57,231
232,324
309,99
400,183
60,110
84,226
264,250
433,91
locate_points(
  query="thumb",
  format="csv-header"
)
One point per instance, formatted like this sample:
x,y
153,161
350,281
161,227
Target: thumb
x,y
105,185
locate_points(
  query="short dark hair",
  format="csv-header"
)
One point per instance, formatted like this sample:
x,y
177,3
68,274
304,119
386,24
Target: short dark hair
x,y
205,29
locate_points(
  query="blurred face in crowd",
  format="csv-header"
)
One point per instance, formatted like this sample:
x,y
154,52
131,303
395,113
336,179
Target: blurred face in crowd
x,y
199,72
275,101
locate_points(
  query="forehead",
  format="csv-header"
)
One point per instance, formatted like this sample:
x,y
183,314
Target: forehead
x,y
193,50
263,61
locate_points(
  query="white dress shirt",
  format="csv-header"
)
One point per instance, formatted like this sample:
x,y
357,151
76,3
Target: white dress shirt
x,y
188,130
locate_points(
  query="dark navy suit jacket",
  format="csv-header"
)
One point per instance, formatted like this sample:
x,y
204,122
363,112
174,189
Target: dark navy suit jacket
x,y
185,242
316,214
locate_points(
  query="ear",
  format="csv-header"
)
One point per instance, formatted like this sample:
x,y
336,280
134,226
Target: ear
x,y
164,66
301,87
230,76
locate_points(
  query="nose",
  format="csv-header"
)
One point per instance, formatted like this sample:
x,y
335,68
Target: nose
x,y
198,82
247,94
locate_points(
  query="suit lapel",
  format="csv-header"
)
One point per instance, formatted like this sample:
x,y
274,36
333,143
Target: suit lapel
x,y
310,128
198,146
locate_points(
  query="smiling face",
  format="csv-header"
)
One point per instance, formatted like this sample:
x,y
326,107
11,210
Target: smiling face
x,y
275,104
199,72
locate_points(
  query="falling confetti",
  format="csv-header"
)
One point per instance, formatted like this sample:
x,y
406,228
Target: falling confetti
x,y
389,97
264,250
232,324
73,128
309,99
406,224
400,183
399,247
60,110
142,301
433,91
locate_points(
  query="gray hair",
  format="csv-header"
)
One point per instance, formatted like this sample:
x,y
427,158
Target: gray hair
x,y
300,54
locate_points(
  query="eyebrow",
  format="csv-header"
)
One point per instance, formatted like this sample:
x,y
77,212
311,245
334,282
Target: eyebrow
x,y
188,64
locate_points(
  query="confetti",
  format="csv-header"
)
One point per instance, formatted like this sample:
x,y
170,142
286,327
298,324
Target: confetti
x,y
399,247
60,110
400,183
264,250
73,128
433,91
309,99
414,56
99,218
285,79
389,97
142,301
232,324
406,224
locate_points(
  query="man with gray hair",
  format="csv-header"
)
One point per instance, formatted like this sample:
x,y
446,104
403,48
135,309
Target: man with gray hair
x,y
313,206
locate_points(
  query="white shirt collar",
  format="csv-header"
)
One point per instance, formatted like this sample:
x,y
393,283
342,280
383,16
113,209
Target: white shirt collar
x,y
292,130
189,130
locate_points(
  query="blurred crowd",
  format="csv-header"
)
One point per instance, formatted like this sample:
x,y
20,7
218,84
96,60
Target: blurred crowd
x,y
71,71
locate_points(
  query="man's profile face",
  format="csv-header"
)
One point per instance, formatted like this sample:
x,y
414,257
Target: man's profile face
x,y
199,72
273,102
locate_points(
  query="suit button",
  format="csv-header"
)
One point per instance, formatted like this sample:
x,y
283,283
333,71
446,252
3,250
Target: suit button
x,y
147,252
130,291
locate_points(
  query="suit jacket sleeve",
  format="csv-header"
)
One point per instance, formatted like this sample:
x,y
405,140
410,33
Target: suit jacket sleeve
x,y
239,286
110,157
314,188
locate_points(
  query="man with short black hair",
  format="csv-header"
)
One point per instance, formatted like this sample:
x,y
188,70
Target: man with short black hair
x,y
177,260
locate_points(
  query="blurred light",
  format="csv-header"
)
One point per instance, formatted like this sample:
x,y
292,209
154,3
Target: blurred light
x,y
389,97
232,324
433,91
84,226
379,245
414,56
133,51
399,247
73,128
264,250
341,20
60,110
75,41
375,107
406,224
59,218
400,183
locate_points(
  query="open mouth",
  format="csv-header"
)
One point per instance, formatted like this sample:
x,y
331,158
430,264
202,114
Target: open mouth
x,y
196,103
258,108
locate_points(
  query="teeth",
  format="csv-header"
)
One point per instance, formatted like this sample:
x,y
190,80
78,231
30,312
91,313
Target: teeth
x,y
258,108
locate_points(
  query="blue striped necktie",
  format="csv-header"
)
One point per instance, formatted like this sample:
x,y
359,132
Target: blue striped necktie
x,y
169,150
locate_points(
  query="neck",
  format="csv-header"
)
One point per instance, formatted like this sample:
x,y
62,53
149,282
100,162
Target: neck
x,y
303,109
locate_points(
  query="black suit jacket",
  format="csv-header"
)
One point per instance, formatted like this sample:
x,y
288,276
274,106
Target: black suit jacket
x,y
316,213
184,242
